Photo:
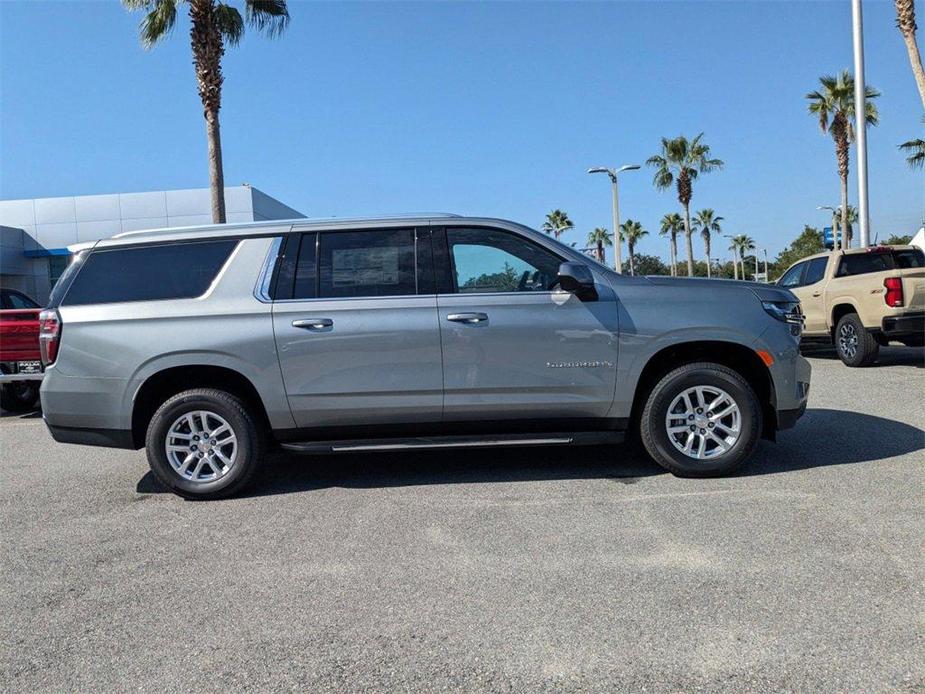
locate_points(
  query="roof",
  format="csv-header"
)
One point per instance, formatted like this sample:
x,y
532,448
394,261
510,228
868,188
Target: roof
x,y
281,226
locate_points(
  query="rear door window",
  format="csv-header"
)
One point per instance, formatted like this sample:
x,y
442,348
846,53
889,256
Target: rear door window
x,y
815,272
148,273
864,263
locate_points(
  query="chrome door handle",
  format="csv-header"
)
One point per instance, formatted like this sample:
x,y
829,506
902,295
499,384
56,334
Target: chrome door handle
x,y
468,317
313,323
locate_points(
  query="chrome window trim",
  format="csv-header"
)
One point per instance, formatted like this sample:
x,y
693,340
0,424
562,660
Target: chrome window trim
x,y
262,289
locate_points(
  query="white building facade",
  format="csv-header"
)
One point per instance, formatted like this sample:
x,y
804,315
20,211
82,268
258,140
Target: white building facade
x,y
35,233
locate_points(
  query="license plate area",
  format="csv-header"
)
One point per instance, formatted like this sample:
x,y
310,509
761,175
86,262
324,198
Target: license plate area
x,y
29,367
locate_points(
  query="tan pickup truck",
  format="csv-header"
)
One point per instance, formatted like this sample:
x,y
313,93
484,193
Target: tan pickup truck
x,y
861,298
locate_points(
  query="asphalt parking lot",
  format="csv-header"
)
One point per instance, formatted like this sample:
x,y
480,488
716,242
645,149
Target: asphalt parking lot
x,y
539,569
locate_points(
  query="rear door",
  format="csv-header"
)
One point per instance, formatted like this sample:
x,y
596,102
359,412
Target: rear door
x,y
355,321
513,346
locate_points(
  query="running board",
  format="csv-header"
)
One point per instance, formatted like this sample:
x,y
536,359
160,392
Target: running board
x,y
451,442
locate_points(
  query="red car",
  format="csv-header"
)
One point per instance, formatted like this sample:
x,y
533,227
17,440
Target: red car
x,y
21,368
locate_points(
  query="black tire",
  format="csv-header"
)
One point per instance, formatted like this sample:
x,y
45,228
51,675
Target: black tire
x,y
854,344
19,396
249,439
654,432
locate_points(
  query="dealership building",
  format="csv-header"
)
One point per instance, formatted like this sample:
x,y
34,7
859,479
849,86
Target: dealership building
x,y
35,234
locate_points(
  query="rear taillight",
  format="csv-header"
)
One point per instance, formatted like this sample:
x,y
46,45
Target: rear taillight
x,y
894,291
49,335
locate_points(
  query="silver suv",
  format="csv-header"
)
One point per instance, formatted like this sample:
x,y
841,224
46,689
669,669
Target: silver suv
x,y
207,345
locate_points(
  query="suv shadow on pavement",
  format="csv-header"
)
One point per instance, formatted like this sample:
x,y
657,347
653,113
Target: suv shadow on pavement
x,y
833,437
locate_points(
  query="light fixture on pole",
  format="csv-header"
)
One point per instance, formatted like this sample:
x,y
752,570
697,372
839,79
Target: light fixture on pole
x,y
613,173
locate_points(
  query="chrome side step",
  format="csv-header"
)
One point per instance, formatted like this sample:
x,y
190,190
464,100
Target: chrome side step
x,y
448,442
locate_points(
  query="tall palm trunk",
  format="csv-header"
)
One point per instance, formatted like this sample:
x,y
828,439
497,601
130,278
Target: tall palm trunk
x,y
631,247
600,250
840,134
905,18
706,247
674,254
685,192
208,49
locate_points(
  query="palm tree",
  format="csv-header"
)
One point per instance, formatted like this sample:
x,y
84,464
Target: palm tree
x,y
916,149
680,162
671,226
557,223
632,232
905,20
599,238
707,222
834,104
851,217
213,25
741,244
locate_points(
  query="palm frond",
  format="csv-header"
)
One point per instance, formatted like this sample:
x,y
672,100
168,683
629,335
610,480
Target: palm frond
x,y
271,17
229,23
916,148
159,21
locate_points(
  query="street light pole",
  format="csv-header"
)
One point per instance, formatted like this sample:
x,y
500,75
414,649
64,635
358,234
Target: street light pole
x,y
860,129
735,258
617,245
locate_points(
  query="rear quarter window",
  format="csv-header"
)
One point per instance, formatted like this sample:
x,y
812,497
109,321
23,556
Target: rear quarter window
x,y
148,273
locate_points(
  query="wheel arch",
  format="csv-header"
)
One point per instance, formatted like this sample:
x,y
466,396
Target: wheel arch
x,y
163,384
840,308
734,355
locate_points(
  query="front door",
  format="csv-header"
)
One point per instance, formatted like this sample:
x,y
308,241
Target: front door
x,y
514,345
811,294
355,320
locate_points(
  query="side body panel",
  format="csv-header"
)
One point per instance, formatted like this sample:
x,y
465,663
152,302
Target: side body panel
x,y
107,351
377,363
543,355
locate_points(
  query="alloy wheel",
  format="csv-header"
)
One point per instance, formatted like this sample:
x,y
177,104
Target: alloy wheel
x,y
703,422
201,446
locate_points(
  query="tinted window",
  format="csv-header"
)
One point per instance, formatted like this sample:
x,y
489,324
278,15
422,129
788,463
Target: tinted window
x,y
305,268
910,258
366,263
10,299
171,271
816,270
862,263
486,260
792,277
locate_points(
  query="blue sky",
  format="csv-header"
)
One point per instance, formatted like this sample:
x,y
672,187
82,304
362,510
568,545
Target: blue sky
x,y
479,108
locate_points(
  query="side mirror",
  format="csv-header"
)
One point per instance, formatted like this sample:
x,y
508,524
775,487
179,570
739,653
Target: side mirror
x,y
576,278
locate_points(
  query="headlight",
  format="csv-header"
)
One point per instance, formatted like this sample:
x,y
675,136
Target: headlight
x,y
788,312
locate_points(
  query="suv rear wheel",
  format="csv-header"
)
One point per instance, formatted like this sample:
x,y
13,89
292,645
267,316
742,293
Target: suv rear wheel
x,y
701,420
854,344
203,444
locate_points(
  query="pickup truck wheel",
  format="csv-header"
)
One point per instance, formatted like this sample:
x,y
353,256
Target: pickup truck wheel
x,y
19,396
203,444
854,344
701,420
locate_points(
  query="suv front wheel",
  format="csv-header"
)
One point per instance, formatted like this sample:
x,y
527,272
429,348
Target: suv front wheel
x,y
701,420
203,444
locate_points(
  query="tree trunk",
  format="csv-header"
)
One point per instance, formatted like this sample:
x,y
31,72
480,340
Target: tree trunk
x,y
600,250
706,245
842,153
674,254
905,19
208,49
630,247
735,263
690,243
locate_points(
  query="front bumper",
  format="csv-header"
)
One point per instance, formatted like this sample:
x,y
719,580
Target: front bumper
x,y
903,325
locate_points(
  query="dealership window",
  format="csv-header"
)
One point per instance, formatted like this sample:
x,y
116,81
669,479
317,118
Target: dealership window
x,y
57,264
